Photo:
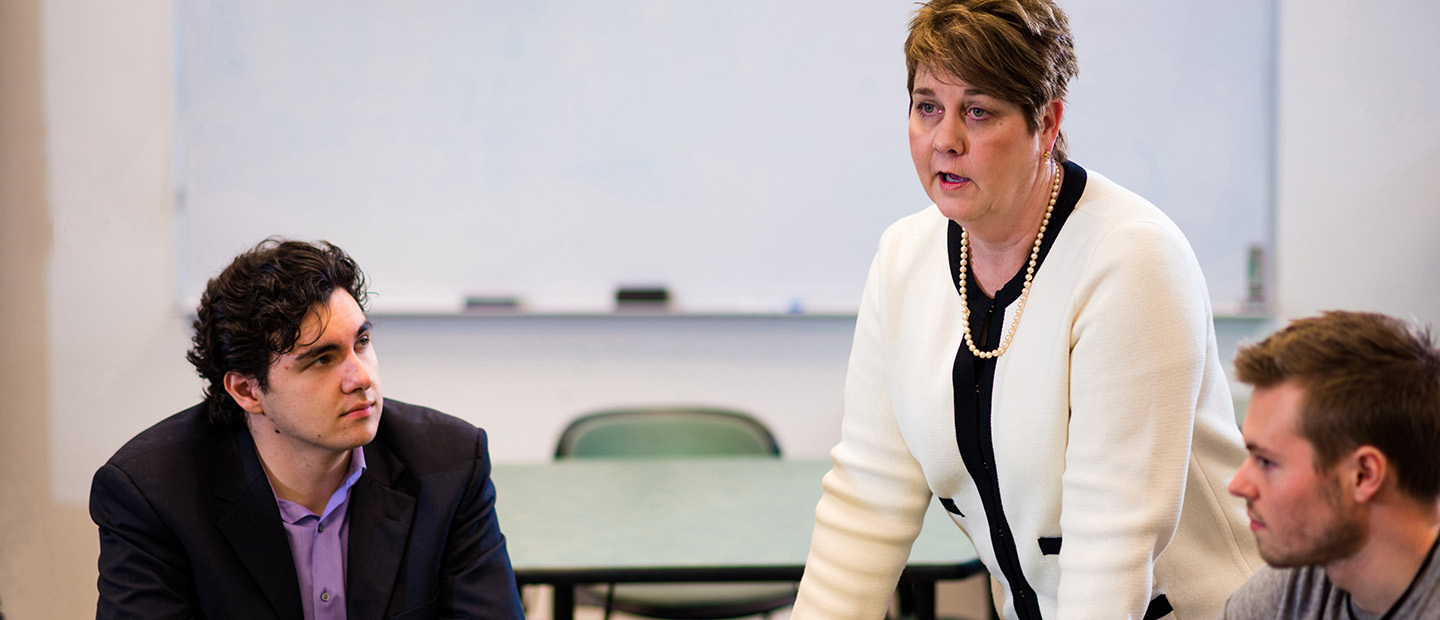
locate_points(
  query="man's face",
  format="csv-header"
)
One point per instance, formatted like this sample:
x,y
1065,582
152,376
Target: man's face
x,y
1300,515
324,394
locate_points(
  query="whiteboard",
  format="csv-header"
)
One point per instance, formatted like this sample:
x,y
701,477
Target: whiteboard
x,y
744,155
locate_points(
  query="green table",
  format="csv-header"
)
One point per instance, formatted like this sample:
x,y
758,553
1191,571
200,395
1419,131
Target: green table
x,y
575,522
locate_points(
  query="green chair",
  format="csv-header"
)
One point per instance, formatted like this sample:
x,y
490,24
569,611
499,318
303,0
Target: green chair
x,y
676,432
666,433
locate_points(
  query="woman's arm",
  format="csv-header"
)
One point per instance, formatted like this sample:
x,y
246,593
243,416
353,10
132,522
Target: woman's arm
x,y
1138,364
875,496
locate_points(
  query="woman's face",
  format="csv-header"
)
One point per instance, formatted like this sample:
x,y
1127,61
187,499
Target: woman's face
x,y
976,156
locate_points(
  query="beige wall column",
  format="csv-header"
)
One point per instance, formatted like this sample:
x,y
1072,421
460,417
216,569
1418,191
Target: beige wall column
x,y
47,555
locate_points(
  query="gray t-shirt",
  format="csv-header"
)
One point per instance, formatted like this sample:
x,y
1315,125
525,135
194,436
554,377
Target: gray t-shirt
x,y
1305,593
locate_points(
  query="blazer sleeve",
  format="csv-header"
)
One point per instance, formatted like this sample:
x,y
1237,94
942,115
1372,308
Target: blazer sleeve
x,y
144,570
1138,366
875,496
476,579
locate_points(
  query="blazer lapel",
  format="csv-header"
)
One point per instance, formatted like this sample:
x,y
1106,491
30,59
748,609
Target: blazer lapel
x,y
253,529
381,512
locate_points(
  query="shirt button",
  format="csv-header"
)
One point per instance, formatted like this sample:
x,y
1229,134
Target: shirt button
x,y
321,528
325,596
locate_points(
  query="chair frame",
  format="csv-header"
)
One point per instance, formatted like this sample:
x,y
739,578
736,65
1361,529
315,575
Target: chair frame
x,y
771,449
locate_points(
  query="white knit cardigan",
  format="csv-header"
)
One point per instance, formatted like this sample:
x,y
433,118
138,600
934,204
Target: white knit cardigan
x,y
1112,426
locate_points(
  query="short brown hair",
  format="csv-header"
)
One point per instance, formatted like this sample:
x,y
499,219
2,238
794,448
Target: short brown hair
x,y
1368,379
1017,50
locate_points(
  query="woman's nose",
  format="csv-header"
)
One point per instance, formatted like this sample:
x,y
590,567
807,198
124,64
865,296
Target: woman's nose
x,y
950,135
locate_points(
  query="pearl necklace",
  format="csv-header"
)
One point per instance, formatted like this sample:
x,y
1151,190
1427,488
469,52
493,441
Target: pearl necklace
x,y
1029,276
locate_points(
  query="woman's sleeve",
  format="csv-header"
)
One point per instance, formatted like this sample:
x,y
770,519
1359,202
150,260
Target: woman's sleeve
x,y
875,496
1137,368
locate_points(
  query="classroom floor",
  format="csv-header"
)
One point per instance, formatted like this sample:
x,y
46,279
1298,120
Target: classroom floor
x,y
965,599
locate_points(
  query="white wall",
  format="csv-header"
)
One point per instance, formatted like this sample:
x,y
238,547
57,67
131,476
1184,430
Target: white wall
x,y
118,339
114,330
523,378
1359,134
1359,147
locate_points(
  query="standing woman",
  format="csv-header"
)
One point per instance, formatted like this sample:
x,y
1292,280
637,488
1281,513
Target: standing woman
x,y
1037,350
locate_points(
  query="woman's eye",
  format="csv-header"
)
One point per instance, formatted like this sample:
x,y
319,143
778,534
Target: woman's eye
x,y
977,113
926,107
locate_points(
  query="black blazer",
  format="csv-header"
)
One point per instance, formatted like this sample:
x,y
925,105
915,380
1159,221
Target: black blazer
x,y
189,526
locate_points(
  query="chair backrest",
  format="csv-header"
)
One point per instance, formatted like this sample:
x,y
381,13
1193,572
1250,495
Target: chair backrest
x,y
666,433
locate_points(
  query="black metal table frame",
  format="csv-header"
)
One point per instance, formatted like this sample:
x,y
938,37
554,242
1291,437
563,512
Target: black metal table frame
x,y
917,583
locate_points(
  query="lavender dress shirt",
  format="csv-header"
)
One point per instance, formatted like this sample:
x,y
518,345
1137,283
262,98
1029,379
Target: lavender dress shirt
x,y
318,543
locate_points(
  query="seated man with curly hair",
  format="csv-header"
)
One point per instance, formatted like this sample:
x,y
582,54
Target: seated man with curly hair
x,y
295,490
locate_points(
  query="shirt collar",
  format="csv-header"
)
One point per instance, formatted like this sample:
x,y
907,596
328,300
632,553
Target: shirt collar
x,y
291,512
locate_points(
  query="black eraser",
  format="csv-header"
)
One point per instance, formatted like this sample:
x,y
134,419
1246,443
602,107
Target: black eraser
x,y
642,295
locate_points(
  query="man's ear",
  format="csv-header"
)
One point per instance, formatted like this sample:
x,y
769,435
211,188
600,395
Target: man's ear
x,y
1368,468
245,390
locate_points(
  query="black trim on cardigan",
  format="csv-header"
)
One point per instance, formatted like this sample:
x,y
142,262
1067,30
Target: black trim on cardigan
x,y
1050,545
974,382
949,505
1159,608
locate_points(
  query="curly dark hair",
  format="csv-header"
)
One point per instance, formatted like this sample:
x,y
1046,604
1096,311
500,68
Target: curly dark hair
x,y
251,313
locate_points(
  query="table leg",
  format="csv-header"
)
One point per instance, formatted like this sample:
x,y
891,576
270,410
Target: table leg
x,y
916,598
923,599
564,605
990,595
905,597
